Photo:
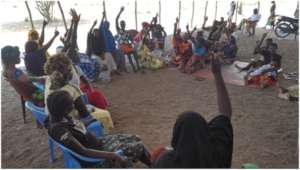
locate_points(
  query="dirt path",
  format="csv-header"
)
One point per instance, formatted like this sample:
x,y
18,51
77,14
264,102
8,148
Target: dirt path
x,y
265,127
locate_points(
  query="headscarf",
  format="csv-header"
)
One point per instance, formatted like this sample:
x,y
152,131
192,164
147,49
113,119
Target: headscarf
x,y
191,141
109,41
33,35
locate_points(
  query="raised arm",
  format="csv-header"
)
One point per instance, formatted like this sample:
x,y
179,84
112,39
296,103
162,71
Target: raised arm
x,y
204,23
224,104
48,44
117,19
41,39
175,27
75,18
190,34
90,40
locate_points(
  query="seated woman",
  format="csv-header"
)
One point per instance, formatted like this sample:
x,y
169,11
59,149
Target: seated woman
x,y
251,22
200,52
197,143
73,134
150,60
59,69
158,34
184,51
35,57
267,73
230,50
33,35
125,42
10,57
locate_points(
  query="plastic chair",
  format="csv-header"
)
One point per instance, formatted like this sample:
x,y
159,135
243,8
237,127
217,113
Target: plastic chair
x,y
38,112
71,158
40,115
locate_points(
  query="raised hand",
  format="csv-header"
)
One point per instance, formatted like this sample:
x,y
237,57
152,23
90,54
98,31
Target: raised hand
x,y
95,22
195,28
205,18
75,16
45,23
56,33
187,26
122,9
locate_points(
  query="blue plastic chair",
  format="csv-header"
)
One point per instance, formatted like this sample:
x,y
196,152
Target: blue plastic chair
x,y
40,115
38,112
71,158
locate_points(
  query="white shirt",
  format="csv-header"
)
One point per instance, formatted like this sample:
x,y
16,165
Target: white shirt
x,y
255,17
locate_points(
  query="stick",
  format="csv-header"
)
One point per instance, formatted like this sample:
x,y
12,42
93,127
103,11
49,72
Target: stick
x,y
216,9
63,15
236,11
135,12
159,11
30,17
104,10
205,10
179,9
192,20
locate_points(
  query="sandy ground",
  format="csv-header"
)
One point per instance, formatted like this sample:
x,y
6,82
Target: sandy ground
x,y
265,127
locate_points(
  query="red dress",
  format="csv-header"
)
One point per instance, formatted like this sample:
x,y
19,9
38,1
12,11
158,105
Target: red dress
x,y
95,97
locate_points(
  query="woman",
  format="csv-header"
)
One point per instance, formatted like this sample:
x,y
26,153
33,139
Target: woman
x,y
10,57
125,42
33,35
230,50
73,134
59,68
198,144
200,52
35,57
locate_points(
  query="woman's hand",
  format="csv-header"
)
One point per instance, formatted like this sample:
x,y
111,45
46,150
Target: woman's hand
x,y
120,159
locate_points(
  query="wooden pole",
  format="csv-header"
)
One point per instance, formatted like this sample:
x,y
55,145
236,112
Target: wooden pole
x,y
63,15
104,10
30,17
216,9
193,10
159,12
135,12
236,11
205,10
179,12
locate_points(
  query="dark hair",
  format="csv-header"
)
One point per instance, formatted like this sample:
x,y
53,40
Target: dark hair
x,y
269,39
10,55
59,103
59,67
191,141
255,11
31,46
274,45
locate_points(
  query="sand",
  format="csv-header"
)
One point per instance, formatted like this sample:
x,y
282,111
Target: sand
x,y
265,127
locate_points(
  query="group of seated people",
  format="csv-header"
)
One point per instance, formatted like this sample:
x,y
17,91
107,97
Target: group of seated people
x,y
66,76
192,53
264,71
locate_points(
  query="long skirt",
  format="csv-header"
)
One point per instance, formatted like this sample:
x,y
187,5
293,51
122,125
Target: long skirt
x,y
131,145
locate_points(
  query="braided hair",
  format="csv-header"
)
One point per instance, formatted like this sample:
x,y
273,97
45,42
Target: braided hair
x,y
59,68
